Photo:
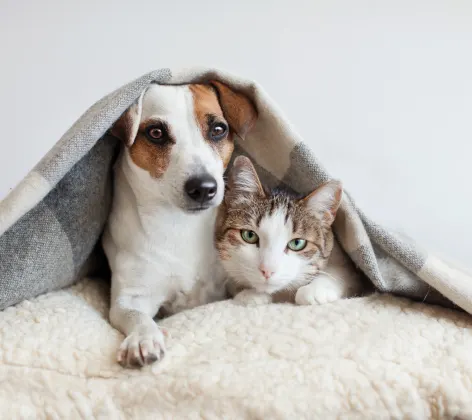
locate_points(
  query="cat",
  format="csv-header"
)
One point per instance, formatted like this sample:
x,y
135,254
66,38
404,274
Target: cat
x,y
275,246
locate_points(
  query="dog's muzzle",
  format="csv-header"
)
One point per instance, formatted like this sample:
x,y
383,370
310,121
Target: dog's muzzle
x,y
201,190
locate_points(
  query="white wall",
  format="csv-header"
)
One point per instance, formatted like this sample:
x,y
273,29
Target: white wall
x,y
381,90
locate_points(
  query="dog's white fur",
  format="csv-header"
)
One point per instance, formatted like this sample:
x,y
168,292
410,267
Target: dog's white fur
x,y
161,255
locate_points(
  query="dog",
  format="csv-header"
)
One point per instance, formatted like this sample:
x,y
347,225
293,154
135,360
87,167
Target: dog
x,y
168,184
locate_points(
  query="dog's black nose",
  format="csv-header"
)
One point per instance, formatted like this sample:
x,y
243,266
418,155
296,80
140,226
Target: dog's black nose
x,y
201,188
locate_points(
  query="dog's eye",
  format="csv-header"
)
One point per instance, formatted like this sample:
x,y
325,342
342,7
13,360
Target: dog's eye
x,y
218,131
156,134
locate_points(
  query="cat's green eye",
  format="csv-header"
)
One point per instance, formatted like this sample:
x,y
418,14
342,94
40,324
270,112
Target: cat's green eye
x,y
249,236
297,244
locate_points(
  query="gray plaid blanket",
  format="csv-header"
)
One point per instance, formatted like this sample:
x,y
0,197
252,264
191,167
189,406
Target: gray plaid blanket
x,y
51,222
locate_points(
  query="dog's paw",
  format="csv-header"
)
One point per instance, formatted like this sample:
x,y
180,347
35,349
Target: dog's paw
x,y
250,297
140,349
320,291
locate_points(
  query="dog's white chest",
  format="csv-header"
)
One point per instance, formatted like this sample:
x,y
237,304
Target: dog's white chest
x,y
195,275
192,287
166,255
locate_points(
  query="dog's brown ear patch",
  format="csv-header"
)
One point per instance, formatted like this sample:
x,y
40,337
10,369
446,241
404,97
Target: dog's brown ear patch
x,y
238,109
126,127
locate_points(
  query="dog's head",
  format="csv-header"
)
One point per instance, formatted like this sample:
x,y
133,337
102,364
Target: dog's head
x,y
179,140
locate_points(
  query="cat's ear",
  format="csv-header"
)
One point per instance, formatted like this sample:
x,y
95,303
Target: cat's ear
x,y
243,179
325,201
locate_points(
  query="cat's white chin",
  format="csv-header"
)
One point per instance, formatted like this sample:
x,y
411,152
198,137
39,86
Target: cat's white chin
x,y
267,288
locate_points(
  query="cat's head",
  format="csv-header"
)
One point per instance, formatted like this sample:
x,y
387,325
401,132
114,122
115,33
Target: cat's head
x,y
273,241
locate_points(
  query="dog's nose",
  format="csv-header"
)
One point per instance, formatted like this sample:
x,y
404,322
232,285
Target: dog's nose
x,y
201,188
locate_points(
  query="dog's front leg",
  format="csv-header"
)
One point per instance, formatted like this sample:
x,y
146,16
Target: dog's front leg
x,y
133,316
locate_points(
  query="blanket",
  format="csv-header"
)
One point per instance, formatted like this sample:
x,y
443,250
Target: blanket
x,y
51,222
376,357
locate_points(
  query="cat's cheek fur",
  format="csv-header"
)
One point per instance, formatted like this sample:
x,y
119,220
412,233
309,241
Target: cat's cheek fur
x,y
292,270
234,238
228,245
242,263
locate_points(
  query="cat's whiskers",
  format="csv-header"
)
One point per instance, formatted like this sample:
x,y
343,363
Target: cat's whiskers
x,y
327,274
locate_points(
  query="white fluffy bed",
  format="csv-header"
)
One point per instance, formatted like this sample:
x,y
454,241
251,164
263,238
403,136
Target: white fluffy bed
x,y
371,358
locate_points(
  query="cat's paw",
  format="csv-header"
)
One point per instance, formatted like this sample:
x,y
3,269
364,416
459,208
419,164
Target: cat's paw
x,y
250,297
138,349
320,291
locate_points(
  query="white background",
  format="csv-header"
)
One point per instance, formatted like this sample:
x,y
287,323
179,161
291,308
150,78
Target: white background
x,y
381,90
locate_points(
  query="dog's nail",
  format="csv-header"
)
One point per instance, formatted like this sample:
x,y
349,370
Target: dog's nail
x,y
151,358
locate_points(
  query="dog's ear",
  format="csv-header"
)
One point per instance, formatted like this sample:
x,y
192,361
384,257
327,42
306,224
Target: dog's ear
x,y
238,109
126,127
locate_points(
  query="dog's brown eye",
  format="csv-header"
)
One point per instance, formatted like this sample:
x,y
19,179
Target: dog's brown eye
x,y
156,134
218,131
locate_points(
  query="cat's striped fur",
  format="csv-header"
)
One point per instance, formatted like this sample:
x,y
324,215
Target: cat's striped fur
x,y
269,266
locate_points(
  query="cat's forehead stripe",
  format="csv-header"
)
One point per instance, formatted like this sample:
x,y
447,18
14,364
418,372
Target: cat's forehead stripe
x,y
276,203
259,218
273,227
295,224
250,211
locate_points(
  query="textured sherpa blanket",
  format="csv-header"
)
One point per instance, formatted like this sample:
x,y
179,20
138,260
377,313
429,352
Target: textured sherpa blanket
x,y
50,223
376,357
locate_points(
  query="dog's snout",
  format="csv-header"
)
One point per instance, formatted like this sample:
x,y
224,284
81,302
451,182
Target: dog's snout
x,y
201,188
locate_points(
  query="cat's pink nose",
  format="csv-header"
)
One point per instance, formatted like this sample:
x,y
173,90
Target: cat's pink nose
x,y
266,272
